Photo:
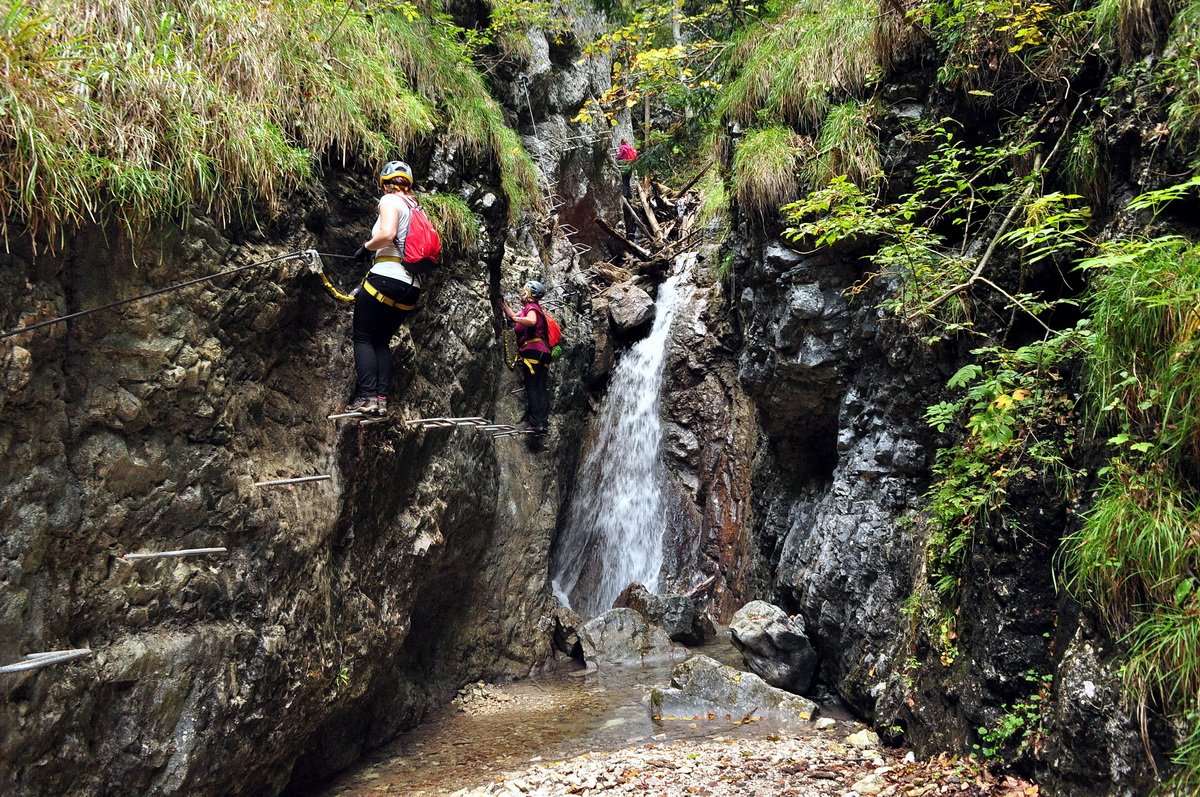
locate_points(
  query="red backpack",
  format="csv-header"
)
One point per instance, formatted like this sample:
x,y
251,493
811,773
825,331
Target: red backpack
x,y
423,246
553,335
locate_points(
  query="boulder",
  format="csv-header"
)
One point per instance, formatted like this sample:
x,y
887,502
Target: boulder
x,y
622,636
564,633
675,614
774,646
702,685
629,306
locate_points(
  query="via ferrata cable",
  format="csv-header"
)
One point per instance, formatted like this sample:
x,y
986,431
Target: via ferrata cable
x,y
151,294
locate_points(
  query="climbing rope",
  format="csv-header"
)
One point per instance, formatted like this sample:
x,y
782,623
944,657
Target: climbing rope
x,y
152,294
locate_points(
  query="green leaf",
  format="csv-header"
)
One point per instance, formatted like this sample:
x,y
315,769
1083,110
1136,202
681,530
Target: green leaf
x,y
964,375
1183,589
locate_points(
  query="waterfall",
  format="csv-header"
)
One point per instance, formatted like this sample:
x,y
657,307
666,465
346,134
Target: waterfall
x,y
615,523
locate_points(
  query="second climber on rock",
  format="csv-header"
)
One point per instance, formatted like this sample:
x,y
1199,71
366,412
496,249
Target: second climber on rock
x,y
533,354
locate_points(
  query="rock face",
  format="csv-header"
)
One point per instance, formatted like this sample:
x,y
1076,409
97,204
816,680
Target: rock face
x,y
344,609
815,450
701,685
675,614
774,646
622,636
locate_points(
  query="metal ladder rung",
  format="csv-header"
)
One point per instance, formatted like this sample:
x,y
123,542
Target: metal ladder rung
x,y
298,480
34,661
133,557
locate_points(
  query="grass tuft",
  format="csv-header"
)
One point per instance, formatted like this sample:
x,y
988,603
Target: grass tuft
x,y
787,68
764,168
453,219
1180,76
847,145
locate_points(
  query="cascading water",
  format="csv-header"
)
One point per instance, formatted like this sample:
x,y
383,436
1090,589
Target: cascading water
x,y
614,527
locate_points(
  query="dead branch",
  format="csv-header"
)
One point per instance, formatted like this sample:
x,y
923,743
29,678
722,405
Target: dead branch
x,y
649,216
679,194
636,217
630,246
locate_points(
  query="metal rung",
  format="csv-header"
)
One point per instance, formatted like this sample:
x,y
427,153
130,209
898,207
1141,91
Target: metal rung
x,y
337,415
130,557
369,421
580,248
298,480
568,229
34,661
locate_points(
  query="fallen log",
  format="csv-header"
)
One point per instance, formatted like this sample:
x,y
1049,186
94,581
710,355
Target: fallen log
x,y
635,250
649,215
625,203
690,183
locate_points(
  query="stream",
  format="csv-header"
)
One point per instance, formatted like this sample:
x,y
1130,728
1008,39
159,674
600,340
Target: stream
x,y
536,720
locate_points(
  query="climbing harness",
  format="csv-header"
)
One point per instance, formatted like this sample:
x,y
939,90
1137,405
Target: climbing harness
x,y
375,294
152,294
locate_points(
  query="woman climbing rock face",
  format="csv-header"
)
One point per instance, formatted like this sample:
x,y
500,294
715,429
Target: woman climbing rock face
x,y
533,354
387,296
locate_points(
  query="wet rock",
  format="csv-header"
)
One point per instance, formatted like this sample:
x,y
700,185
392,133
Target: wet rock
x,y
629,307
1090,742
675,614
774,646
702,685
565,631
622,636
803,303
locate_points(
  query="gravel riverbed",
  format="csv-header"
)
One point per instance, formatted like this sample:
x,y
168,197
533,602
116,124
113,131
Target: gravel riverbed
x,y
770,767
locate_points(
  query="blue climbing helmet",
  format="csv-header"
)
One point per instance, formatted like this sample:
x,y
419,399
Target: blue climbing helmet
x,y
396,170
536,289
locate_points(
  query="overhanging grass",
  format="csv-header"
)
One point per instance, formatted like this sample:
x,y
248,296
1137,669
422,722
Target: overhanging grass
x,y
1146,360
764,168
1137,554
714,201
1180,76
847,145
453,219
786,68
144,109
1126,25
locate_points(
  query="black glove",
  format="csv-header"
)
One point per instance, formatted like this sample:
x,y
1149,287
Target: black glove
x,y
362,253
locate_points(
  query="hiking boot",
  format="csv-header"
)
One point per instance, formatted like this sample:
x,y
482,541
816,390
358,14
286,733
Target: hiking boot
x,y
363,404
381,405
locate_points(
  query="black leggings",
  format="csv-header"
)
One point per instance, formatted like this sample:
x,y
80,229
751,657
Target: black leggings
x,y
537,388
374,325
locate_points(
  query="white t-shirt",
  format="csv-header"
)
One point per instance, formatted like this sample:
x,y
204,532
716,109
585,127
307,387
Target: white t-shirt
x,y
388,268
